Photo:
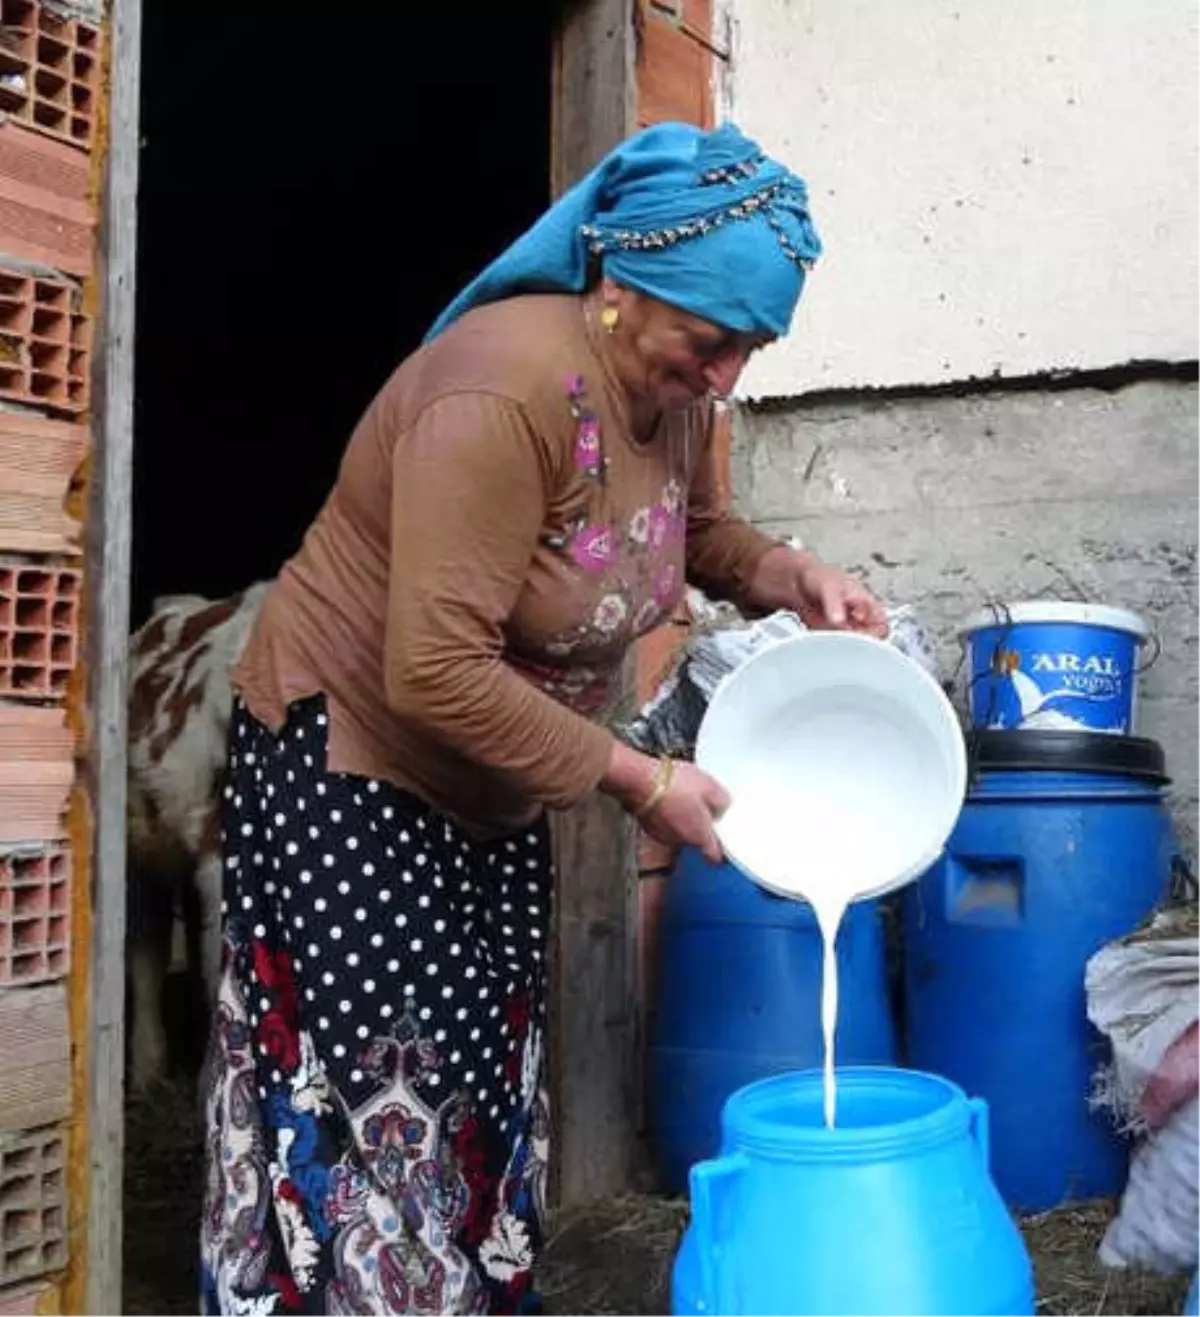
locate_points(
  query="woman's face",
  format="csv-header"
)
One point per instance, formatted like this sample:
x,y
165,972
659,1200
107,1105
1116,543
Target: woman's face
x,y
672,357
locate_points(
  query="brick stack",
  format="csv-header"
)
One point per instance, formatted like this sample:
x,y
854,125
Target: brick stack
x,y
50,90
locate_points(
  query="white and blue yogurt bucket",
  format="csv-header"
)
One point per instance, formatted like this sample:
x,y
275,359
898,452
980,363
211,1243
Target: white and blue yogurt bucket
x,y
1050,663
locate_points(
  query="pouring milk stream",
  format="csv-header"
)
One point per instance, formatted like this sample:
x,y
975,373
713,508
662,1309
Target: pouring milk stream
x,y
830,878
838,854
829,905
846,768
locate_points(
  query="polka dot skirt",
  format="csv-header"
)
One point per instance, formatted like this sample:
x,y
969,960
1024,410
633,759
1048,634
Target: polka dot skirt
x,y
377,1125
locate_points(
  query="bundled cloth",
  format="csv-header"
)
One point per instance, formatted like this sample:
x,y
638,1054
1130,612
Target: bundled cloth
x,y
722,641
1142,995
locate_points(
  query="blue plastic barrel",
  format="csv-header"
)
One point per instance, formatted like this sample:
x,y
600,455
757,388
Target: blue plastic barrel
x,y
892,1211
1045,866
1191,1304
739,997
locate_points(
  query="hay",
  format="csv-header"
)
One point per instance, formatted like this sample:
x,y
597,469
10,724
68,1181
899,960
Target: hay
x,y
616,1256
164,1176
1070,1279
612,1257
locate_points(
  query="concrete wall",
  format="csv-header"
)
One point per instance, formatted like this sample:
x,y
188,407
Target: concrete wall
x,y
1001,188
1008,199
946,502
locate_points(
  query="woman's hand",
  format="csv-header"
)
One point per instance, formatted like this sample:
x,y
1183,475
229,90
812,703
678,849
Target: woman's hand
x,y
687,812
682,815
826,598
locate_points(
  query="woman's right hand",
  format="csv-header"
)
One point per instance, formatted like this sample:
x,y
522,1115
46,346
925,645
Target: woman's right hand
x,y
685,813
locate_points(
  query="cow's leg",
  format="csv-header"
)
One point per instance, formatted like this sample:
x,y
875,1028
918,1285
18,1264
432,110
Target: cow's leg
x,y
208,902
149,954
207,953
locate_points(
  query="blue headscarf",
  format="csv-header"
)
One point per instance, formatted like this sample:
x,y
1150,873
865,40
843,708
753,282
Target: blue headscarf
x,y
702,220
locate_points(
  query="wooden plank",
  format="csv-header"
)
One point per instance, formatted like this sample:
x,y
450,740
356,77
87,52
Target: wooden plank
x,y
723,450
108,558
656,656
592,87
674,72
693,16
593,1044
594,1006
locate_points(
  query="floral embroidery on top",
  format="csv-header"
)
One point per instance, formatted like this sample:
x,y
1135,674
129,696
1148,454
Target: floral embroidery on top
x,y
666,586
593,548
610,612
589,456
632,562
587,446
660,527
582,688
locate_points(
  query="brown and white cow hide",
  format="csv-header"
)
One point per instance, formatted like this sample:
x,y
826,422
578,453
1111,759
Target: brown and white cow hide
x,y
179,706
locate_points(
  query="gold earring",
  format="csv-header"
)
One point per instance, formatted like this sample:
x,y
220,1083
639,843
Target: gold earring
x,y
609,317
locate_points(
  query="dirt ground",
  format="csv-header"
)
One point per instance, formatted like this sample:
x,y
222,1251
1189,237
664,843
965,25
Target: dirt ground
x,y
612,1258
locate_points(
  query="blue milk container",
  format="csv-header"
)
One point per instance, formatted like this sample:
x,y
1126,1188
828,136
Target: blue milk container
x,y
1064,844
892,1211
739,998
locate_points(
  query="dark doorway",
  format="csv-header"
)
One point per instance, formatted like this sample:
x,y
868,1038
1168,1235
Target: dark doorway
x,y
317,182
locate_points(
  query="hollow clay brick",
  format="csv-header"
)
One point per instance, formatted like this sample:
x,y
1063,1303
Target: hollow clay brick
x,y
45,344
49,72
39,623
35,943
32,1202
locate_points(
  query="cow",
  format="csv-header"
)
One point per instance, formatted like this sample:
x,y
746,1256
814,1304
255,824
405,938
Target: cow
x,y
180,700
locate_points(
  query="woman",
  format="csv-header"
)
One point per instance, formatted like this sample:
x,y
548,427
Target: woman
x,y
427,677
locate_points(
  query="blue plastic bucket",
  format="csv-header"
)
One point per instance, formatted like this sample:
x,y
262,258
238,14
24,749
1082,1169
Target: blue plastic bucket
x,y
1051,664
892,1211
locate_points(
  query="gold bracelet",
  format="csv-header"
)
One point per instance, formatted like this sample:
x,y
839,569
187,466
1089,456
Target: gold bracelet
x,y
662,784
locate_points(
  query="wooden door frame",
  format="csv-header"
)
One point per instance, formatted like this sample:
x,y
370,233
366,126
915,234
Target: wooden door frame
x,y
107,573
593,1032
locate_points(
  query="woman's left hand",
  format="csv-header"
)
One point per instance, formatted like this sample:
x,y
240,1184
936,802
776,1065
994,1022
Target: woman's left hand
x,y
825,597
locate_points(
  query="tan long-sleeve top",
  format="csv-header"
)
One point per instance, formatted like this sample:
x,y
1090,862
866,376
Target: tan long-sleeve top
x,y
494,542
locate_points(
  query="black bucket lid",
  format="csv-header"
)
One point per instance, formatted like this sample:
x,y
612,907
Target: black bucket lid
x,y
1047,751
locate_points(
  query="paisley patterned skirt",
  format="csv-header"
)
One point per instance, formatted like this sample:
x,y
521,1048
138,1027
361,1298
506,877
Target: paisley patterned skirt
x,y
377,1128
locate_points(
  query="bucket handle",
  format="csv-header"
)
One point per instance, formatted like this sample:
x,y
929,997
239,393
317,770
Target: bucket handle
x,y
1155,647
1182,886
980,1127
709,1182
